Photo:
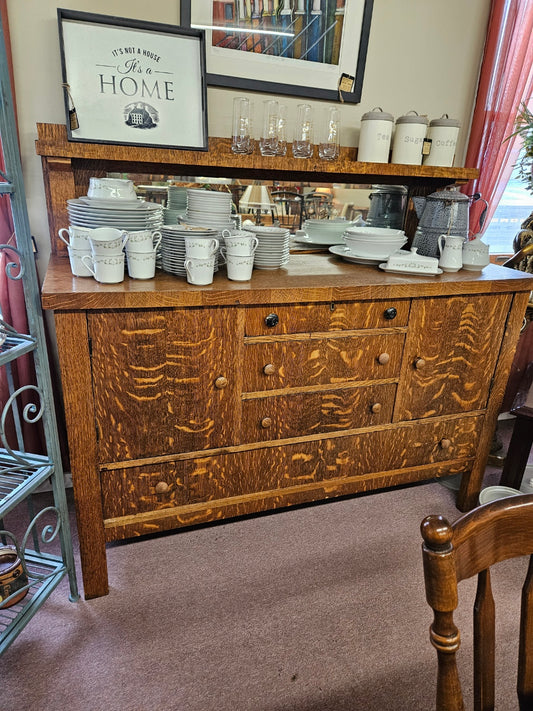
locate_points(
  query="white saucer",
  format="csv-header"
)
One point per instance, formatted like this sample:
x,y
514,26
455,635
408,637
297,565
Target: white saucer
x,y
320,242
340,251
410,271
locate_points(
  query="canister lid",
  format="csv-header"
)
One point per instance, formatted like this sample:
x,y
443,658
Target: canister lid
x,y
412,117
390,189
377,114
445,121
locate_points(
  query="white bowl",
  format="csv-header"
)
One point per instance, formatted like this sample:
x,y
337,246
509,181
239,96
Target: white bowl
x,y
111,189
494,493
378,233
327,232
372,247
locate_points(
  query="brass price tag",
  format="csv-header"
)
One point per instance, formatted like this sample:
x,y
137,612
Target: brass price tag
x,y
346,82
426,147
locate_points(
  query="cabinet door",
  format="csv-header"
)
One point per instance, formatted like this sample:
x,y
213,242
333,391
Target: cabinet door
x,y
165,381
450,355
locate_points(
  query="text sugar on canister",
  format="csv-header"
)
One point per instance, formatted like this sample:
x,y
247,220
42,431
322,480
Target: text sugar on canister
x,y
409,138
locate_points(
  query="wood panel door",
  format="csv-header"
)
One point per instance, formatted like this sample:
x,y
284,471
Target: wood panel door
x,y
450,355
165,381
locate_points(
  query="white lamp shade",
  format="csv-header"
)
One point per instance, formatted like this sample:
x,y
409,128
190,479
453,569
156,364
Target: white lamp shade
x,y
256,197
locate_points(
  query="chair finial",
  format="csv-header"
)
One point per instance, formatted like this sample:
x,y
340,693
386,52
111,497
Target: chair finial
x,y
436,532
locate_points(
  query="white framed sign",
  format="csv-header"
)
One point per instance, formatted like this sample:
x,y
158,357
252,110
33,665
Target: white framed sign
x,y
133,82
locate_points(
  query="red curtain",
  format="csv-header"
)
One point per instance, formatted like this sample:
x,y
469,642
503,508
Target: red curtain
x,y
506,80
13,308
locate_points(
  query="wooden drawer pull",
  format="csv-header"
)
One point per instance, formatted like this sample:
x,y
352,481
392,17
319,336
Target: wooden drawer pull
x,y
266,422
419,363
269,369
445,443
383,358
161,487
221,382
376,407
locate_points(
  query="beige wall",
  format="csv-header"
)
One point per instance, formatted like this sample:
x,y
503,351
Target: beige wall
x,y
422,55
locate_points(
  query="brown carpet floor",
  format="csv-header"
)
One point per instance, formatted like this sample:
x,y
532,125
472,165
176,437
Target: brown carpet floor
x,y
319,608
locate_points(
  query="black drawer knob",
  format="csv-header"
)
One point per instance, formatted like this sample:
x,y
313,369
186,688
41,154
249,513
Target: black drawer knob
x,y
390,313
272,320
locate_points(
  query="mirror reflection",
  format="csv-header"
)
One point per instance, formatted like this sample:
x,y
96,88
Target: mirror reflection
x,y
283,203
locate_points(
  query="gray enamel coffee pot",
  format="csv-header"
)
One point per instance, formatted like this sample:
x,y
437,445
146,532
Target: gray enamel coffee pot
x,y
443,212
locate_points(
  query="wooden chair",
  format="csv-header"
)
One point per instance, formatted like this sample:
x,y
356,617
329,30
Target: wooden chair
x,y
454,552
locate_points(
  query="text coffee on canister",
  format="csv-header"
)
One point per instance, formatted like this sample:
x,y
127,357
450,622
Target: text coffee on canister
x,y
375,136
442,137
409,137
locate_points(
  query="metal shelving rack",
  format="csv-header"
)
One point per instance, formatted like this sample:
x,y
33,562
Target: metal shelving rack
x,y
22,472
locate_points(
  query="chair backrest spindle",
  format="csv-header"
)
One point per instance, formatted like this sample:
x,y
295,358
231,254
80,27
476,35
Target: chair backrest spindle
x,y
454,552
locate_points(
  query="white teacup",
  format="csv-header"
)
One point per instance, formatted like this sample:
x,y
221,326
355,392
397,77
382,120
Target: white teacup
x,y
239,267
141,265
143,241
77,267
107,241
107,270
111,189
200,271
75,237
240,243
200,247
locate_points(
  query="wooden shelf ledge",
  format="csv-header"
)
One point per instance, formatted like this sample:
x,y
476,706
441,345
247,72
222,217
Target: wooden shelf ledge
x,y
52,142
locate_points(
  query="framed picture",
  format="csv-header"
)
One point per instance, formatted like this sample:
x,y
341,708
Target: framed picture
x,y
133,82
303,48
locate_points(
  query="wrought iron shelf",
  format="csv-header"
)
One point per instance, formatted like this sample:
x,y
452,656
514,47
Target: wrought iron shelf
x,y
18,480
45,572
27,409
14,346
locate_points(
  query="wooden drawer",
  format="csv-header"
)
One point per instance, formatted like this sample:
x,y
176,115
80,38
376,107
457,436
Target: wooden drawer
x,y
272,468
335,316
272,365
135,490
280,416
132,491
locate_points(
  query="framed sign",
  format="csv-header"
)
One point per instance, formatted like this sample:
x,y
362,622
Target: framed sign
x,y
133,82
303,48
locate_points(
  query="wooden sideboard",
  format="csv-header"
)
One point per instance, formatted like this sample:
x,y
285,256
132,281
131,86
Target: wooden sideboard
x,y
189,404
193,404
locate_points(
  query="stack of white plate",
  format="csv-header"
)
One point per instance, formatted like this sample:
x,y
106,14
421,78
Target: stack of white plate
x,y
173,247
273,249
176,204
325,232
209,208
121,214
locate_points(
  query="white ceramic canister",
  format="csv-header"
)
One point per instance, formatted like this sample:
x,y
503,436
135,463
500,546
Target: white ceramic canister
x,y
375,136
442,135
409,137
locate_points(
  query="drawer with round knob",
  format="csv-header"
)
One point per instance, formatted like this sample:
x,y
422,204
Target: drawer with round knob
x,y
371,459
134,490
328,316
303,362
280,416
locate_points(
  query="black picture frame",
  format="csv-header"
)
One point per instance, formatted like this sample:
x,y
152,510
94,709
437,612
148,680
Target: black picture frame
x,y
124,81
352,76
